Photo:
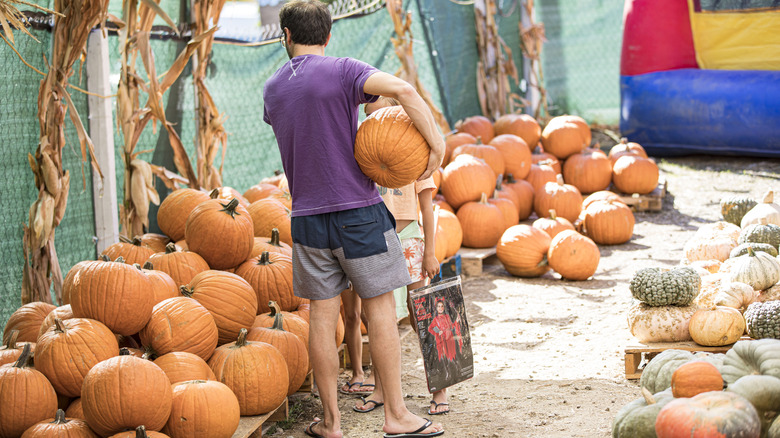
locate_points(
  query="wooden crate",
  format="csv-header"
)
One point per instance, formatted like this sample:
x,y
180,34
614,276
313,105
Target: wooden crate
x,y
344,359
636,353
652,201
255,426
471,259
308,384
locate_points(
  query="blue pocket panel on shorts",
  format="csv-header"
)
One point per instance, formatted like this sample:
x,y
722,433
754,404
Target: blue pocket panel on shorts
x,y
363,239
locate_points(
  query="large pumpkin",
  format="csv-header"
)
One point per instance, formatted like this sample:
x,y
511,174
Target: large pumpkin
x,y
27,321
229,298
67,282
270,275
175,208
26,397
482,222
118,295
202,408
540,174
522,250
389,149
291,322
491,155
565,199
451,227
60,427
590,170
752,357
163,285
292,348
517,154
479,126
609,222
67,351
508,210
268,214
181,366
660,323
131,250
714,413
255,371
221,232
635,174
574,256
465,179
521,125
182,266
451,142
123,392
716,326
564,137
181,324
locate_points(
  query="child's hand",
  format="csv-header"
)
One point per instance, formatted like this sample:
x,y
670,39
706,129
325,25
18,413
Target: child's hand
x,y
430,265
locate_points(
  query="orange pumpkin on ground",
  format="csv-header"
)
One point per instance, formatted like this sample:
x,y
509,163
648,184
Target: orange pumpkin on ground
x,y
465,179
27,320
268,214
565,199
573,255
453,141
522,250
552,224
175,208
131,250
270,275
181,324
26,397
608,222
517,154
634,174
181,366
202,408
182,266
60,426
292,348
389,149
291,322
478,126
221,232
589,171
482,223
695,377
521,125
525,196
563,136
491,155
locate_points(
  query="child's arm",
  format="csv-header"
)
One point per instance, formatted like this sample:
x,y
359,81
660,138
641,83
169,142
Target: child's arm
x,y
430,264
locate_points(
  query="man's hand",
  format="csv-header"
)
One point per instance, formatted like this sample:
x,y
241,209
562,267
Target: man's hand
x,y
434,162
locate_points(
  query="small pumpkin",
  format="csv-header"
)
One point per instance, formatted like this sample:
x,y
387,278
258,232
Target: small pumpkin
x,y
552,224
564,136
733,208
517,154
608,222
175,208
767,209
657,374
63,312
450,226
489,154
26,396
295,323
538,155
727,413
27,321
60,426
452,141
465,178
626,147
131,250
590,170
718,290
522,250
181,324
601,195
482,222
525,194
155,241
541,173
163,285
389,149
742,249
521,125
221,232
181,366
182,266
270,275
260,191
292,348
635,174
565,199
10,352
202,408
761,232
695,377
574,256
479,126
75,410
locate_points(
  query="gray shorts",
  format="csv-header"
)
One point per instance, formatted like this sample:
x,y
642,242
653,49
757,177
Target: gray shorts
x,y
358,245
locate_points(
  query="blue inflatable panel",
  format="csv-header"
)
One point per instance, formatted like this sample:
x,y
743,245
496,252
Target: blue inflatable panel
x,y
713,112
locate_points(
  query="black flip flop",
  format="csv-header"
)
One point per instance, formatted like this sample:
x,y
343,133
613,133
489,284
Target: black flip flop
x,y
310,430
436,406
417,433
349,387
365,402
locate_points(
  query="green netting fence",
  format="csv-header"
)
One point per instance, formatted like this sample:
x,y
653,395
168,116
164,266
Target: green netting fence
x,y
580,61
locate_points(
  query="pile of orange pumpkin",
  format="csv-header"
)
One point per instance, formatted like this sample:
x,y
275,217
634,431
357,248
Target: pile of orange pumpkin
x,y
180,333
495,175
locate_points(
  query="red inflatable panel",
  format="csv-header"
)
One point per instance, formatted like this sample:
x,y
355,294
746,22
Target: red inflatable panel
x,y
656,37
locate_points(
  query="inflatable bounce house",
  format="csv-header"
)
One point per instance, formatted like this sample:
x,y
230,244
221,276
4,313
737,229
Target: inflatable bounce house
x,y
701,76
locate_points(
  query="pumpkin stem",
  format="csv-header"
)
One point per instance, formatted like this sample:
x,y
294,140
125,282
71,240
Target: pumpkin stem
x,y
137,266
187,292
510,179
214,194
241,341
479,140
136,241
11,344
275,309
277,172
119,259
149,266
264,259
105,258
498,181
649,399
276,312
124,239
623,140
274,237
59,326
769,197
553,215
543,262
124,351
750,251
59,417
22,361
170,248
559,178
230,208
140,432
483,199
149,354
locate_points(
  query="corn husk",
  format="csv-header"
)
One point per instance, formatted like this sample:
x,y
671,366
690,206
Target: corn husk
x,y
532,38
495,65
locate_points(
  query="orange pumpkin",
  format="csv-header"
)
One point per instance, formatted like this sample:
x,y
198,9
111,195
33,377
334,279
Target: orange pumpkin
x,y
521,125
270,275
67,283
522,250
491,155
573,255
140,432
452,141
634,174
478,126
302,311
63,312
60,426
451,227
181,366
505,192
163,285
228,194
26,397
539,155
626,148
465,179
174,210
565,199
260,191
695,377
517,154
440,245
75,410
118,295
525,195
27,320
155,241
268,214
229,298
608,222
389,149
437,177
564,136
182,266
10,352
541,174
123,392
552,224
601,195
482,222
201,408
442,203
292,348
67,351
220,232
255,371
508,210
294,323
181,324
589,170
709,414
132,251
272,244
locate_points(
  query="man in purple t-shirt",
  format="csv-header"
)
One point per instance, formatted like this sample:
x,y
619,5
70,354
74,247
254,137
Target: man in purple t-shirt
x,y
342,232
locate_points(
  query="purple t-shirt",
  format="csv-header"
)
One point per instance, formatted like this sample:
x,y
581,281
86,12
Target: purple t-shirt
x,y
312,104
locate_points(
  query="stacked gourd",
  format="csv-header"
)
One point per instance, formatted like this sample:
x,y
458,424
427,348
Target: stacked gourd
x,y
173,341
684,393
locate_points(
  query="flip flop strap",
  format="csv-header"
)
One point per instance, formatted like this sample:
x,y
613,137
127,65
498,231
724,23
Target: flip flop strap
x,y
427,424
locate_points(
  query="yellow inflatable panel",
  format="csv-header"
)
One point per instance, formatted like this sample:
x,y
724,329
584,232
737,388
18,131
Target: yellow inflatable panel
x,y
745,40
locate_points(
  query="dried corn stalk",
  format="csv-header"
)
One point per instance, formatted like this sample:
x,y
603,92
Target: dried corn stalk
x,y
402,22
70,34
10,16
495,65
211,130
132,118
531,39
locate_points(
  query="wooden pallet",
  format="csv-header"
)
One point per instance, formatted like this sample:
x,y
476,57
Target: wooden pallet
x,y
255,426
471,259
308,383
636,353
652,201
344,359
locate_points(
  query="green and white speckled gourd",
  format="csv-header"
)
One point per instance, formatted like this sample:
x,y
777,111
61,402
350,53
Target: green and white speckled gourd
x,y
742,249
764,209
733,208
756,269
665,287
763,320
761,232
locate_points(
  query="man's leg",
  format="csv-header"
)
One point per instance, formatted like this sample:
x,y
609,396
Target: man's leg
x,y
323,318
354,339
383,333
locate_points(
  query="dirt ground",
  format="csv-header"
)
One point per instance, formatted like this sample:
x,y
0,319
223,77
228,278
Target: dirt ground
x,y
549,353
